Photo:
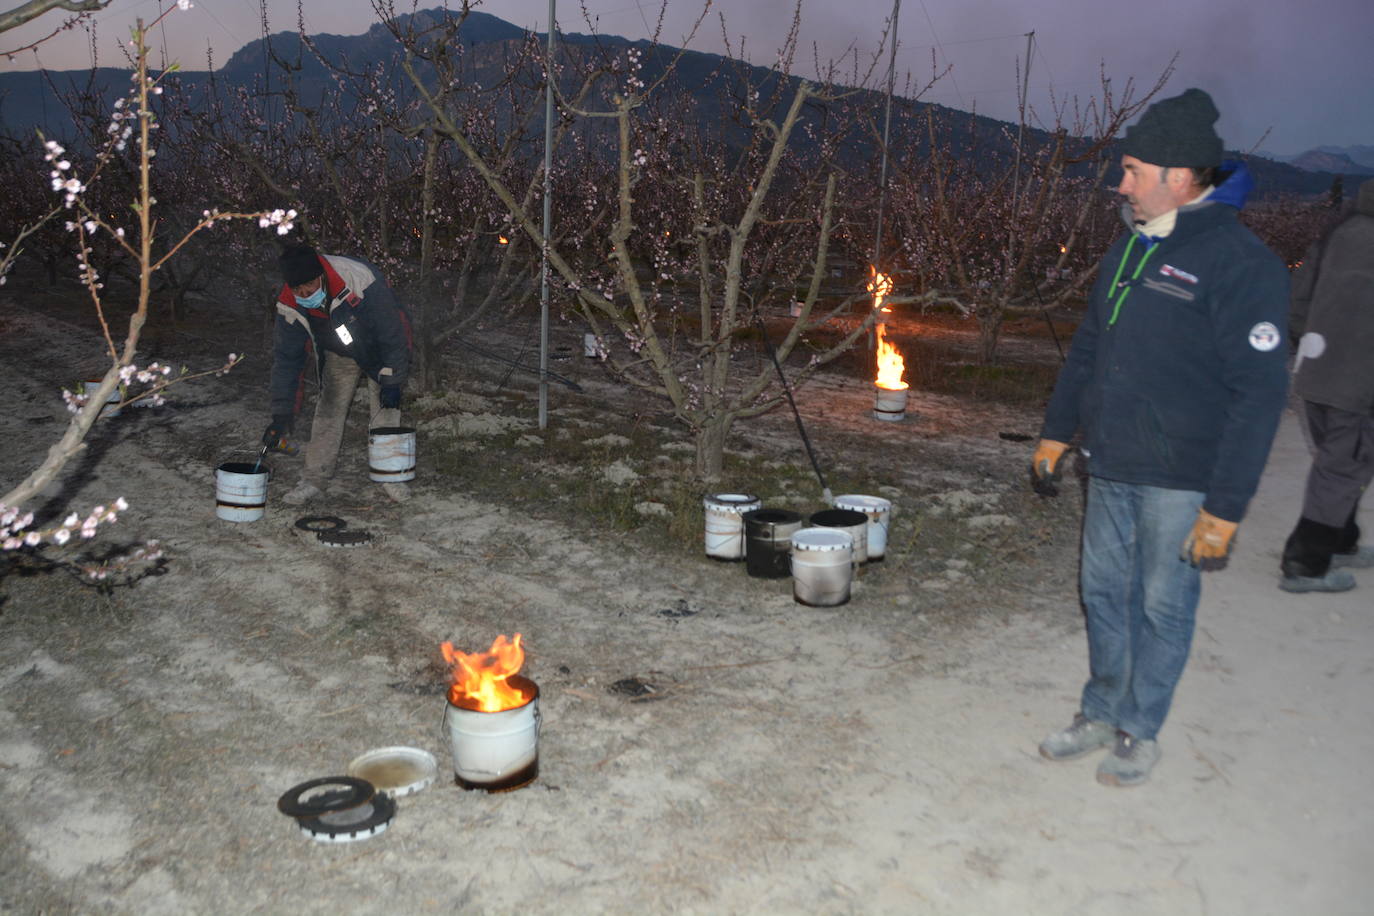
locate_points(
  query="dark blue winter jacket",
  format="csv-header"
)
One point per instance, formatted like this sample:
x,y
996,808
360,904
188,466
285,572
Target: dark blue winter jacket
x,y
1177,375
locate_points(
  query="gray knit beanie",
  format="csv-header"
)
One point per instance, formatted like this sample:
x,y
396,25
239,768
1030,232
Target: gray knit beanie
x,y
1176,133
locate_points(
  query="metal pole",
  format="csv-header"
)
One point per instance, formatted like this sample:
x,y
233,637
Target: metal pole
x,y
1020,133
887,127
872,336
548,225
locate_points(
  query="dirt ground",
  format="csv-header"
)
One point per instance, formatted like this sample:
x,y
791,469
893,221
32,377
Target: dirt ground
x,y
878,757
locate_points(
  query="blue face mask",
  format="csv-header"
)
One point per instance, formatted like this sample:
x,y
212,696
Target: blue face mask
x,y
314,300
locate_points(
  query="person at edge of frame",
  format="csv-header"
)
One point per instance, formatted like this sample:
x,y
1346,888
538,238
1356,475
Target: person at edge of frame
x,y
1332,318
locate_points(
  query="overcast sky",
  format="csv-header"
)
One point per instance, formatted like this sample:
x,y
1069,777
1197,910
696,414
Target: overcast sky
x,y
1301,69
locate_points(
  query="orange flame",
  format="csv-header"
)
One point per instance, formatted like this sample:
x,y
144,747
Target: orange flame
x,y
880,286
502,240
890,365
479,679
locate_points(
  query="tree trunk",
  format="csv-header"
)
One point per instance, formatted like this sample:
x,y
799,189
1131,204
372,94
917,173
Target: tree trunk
x,y
710,460
989,329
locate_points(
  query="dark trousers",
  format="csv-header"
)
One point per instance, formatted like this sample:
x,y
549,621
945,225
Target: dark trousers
x,y
1342,467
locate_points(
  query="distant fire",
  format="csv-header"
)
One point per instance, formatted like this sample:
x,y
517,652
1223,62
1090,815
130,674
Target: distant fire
x,y
479,679
890,364
880,286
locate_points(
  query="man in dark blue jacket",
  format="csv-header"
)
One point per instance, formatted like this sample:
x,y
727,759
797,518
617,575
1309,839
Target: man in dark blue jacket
x,y
1176,380
343,310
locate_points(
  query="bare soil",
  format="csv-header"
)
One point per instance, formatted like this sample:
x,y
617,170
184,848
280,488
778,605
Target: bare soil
x,y
878,757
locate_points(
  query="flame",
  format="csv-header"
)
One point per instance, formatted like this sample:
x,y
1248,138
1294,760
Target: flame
x,y
479,679
880,286
502,240
890,364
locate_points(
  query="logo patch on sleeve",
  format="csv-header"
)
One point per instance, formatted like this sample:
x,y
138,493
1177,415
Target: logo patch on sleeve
x,y
1264,337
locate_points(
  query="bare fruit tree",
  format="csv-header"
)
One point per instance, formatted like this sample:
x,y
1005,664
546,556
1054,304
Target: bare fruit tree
x,y
131,133
703,237
1003,238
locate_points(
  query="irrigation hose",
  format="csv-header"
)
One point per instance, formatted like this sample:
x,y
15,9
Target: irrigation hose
x,y
562,380
787,389
1045,311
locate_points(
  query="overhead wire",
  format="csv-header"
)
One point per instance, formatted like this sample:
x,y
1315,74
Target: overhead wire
x,y
939,46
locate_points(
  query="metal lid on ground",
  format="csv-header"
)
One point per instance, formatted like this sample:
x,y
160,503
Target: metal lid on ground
x,y
397,771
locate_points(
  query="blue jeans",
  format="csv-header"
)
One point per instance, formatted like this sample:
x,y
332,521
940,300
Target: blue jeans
x,y
1140,598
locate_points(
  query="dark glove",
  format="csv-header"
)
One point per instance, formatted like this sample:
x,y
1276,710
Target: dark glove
x,y
390,397
275,436
1044,469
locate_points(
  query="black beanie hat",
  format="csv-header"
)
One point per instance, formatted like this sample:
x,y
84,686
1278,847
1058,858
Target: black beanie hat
x,y
1177,133
299,264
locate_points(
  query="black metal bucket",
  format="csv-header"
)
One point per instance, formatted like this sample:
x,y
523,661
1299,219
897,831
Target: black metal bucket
x,y
856,523
768,542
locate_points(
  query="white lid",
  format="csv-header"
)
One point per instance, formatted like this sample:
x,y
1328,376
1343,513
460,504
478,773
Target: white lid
x,y
859,502
732,502
823,539
396,771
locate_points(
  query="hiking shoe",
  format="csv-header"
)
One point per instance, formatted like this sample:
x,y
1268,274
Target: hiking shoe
x,y
1335,580
398,492
1082,737
303,492
1130,762
1359,558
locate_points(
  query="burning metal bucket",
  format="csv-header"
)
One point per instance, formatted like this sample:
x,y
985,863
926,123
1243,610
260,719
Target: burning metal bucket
x,y
878,511
890,404
496,751
240,491
822,566
724,524
391,454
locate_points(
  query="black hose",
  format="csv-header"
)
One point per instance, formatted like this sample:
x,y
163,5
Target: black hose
x,y
787,389
1045,310
562,380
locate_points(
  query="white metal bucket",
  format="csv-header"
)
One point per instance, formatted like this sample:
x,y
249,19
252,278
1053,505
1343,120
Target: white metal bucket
x,y
111,407
890,404
822,566
879,513
240,491
391,454
724,524
496,751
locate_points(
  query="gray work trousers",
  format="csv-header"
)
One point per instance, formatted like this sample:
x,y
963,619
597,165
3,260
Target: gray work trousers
x,y
341,376
1342,463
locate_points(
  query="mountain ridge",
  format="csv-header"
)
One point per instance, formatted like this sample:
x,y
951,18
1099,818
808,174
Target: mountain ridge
x,y
30,99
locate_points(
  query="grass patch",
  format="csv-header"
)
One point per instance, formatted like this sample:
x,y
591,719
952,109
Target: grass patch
x,y
636,480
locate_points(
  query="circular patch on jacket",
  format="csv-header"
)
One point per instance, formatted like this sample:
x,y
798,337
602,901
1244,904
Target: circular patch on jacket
x,y
1264,337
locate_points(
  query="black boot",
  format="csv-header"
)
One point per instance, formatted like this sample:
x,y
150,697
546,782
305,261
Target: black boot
x,y
1349,554
1306,561
1349,540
